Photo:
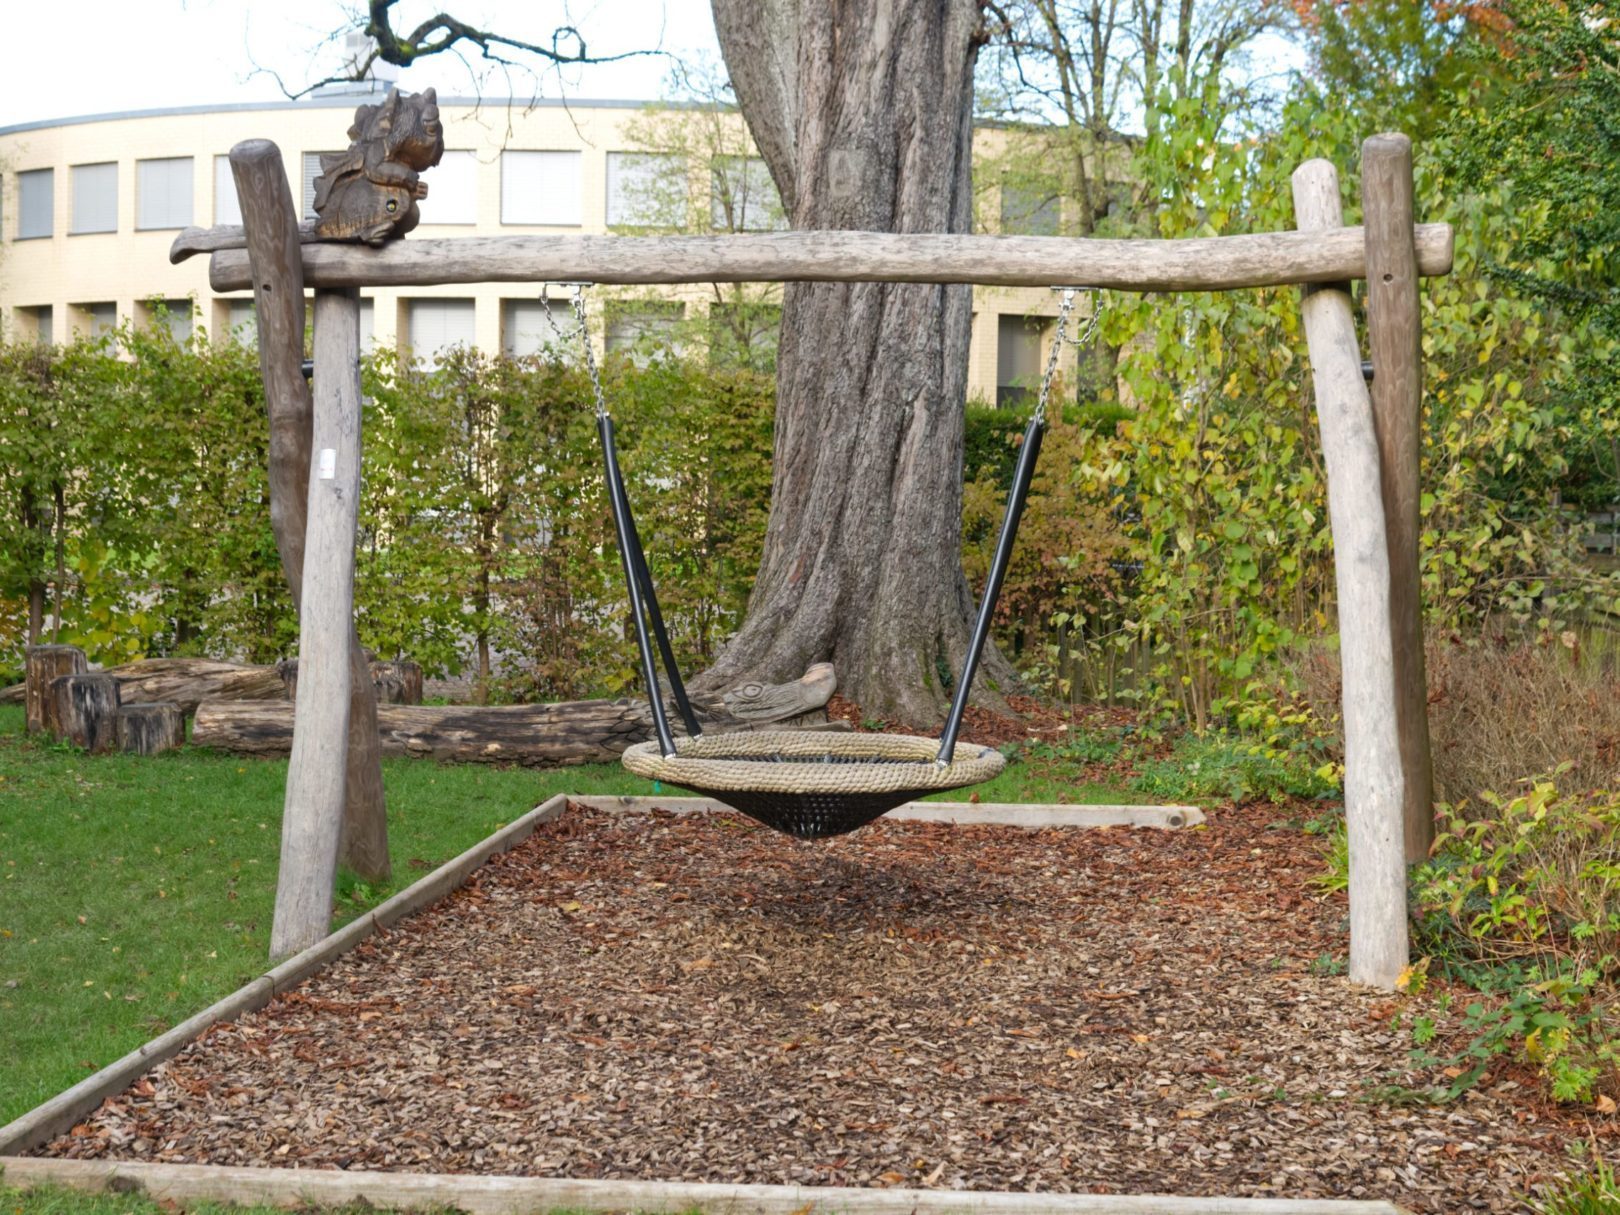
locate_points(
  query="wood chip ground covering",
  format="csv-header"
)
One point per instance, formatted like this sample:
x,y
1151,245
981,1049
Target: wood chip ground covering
x,y
695,998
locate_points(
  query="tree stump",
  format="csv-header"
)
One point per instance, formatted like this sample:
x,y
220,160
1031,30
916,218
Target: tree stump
x,y
45,665
398,683
87,711
151,728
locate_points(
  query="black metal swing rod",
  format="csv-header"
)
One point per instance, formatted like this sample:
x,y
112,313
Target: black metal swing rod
x,y
644,600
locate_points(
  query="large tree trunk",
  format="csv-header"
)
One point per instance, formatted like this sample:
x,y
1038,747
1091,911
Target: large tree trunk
x,y
864,114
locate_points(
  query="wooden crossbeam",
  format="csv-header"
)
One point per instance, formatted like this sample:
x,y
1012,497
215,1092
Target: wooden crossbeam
x,y
1214,263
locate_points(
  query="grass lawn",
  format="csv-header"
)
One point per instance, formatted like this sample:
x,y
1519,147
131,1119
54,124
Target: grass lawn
x,y
136,891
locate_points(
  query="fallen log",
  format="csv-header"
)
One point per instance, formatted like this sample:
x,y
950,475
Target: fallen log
x,y
188,682
569,732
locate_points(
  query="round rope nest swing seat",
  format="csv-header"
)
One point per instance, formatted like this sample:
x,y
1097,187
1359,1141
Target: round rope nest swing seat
x,y
808,784
813,785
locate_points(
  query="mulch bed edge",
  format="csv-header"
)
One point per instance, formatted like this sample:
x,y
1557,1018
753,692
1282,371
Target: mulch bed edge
x,y
58,1114
188,1184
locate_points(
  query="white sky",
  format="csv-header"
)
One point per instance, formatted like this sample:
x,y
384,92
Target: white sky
x,y
61,58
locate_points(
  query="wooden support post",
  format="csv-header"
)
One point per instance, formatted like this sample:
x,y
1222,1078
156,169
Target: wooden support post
x,y
1394,332
87,711
43,665
1373,779
317,774
272,235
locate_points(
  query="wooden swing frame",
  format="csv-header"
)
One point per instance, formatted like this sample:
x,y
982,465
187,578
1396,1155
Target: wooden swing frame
x,y
1370,441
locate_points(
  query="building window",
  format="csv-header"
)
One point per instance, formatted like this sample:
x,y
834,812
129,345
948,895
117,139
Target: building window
x,y
452,190
1029,211
436,325
97,320
239,321
312,170
525,330
645,190
36,204
227,207
163,193
643,329
170,316
36,322
742,196
95,198
368,322
541,188
1018,358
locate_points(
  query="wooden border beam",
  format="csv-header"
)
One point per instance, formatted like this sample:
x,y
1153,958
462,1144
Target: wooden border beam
x,y
188,1185
1214,263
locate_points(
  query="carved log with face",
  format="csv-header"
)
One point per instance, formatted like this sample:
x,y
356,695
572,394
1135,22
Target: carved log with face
x,y
369,192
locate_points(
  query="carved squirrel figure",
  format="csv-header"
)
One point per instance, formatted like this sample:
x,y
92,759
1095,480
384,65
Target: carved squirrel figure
x,y
369,193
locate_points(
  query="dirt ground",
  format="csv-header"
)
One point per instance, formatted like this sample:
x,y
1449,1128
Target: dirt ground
x,y
696,998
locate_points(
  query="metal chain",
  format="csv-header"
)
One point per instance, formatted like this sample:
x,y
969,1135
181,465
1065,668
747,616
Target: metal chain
x,y
582,331
1065,307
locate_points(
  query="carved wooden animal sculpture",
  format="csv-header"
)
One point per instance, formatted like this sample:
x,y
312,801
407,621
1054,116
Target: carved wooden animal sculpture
x,y
369,192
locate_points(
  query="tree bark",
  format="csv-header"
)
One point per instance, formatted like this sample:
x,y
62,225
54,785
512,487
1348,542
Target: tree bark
x,y
270,220
863,113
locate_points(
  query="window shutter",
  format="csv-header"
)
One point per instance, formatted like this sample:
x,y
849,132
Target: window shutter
x,y
541,188
227,207
438,324
452,190
95,198
163,192
36,203
525,331
312,170
645,190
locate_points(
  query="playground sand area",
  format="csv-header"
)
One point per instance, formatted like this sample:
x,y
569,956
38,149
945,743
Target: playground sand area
x,y
694,998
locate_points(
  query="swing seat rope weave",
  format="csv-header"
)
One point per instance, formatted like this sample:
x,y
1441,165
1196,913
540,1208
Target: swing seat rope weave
x,y
813,785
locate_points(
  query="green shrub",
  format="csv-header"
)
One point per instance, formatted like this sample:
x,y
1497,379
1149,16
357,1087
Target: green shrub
x,y
1220,766
1524,899
1596,1192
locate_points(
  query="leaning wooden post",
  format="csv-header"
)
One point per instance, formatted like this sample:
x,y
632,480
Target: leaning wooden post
x,y
1372,757
273,239
1395,336
317,773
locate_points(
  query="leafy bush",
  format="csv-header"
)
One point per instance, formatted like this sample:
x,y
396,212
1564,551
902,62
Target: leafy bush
x,y
1525,898
1217,765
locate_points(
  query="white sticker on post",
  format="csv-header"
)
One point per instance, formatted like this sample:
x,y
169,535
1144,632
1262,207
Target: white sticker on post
x,y
328,463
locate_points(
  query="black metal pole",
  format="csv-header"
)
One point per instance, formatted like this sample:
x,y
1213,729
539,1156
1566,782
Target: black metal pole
x,y
649,669
638,562
1022,476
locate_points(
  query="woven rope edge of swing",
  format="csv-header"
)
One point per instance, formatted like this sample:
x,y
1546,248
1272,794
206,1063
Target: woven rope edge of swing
x,y
697,763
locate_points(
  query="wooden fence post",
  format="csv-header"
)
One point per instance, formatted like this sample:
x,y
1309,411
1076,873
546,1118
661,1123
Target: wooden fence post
x,y
317,774
1373,780
1394,334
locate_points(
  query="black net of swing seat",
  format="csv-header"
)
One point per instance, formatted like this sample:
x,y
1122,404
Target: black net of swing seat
x,y
813,785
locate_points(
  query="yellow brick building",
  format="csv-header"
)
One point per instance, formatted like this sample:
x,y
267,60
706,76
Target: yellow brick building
x,y
90,205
